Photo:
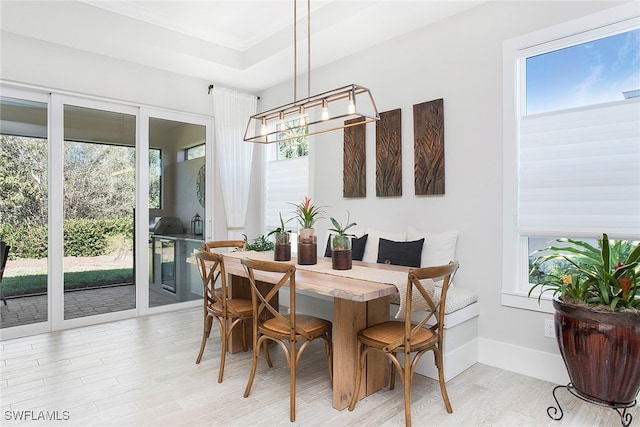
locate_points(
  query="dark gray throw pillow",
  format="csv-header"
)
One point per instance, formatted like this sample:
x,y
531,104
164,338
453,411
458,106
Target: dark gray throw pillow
x,y
408,254
357,247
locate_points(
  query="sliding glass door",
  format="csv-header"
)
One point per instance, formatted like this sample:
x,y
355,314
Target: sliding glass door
x,y
24,172
83,184
99,205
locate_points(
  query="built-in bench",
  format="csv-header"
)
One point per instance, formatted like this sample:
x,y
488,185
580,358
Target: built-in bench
x,y
461,309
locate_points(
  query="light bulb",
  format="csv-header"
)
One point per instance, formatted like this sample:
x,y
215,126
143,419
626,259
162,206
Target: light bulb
x,y
325,110
303,120
263,127
352,105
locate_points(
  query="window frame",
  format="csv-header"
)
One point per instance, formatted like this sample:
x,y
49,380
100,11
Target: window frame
x,y
515,259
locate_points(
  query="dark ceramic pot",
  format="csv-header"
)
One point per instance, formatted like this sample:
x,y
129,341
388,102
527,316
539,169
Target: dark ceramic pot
x,y
307,253
282,252
601,351
341,259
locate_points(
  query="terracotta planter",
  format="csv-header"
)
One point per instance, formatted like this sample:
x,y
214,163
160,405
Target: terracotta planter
x,y
601,351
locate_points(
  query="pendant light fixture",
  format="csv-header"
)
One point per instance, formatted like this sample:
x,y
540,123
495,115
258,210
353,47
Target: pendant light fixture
x,y
325,112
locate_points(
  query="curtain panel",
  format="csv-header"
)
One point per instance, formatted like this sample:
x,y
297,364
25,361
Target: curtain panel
x,y
231,111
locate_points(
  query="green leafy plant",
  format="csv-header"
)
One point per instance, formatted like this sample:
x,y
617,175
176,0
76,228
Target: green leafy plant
x,y
259,244
307,214
341,238
606,275
281,233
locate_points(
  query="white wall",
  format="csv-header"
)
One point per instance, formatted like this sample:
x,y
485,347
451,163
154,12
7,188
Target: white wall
x,y
458,59
27,61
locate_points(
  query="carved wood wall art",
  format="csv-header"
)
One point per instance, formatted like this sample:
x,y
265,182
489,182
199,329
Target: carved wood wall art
x,y
428,138
354,173
389,154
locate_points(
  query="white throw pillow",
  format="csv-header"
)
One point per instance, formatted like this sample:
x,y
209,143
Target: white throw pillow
x,y
371,248
438,248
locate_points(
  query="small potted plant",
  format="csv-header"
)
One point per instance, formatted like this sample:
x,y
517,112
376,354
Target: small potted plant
x,y
341,255
307,214
282,242
597,314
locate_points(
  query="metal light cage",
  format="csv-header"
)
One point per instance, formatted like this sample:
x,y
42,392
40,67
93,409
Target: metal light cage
x,y
316,114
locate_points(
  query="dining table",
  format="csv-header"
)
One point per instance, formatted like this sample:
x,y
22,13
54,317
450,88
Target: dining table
x,y
361,298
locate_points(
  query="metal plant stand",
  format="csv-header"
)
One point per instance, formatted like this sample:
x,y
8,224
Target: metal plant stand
x,y
556,413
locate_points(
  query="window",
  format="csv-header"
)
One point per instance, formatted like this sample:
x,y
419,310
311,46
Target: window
x,y
287,178
572,139
155,178
194,152
296,147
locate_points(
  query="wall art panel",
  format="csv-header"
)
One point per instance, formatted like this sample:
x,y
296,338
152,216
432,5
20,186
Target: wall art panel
x,y
389,154
354,172
428,138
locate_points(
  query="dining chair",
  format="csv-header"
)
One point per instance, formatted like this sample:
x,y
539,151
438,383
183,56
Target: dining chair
x,y
218,303
4,255
405,337
287,330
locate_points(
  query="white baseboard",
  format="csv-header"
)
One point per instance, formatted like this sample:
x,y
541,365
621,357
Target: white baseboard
x,y
533,363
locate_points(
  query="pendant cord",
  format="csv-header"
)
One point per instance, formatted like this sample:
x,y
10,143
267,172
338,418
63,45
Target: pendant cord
x,y
308,48
295,53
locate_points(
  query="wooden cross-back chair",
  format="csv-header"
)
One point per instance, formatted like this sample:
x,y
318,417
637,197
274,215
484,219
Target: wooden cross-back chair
x,y
218,303
284,329
405,337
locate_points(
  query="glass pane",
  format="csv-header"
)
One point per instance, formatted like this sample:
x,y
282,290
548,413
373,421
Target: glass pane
x,y
99,201
594,72
177,229
23,211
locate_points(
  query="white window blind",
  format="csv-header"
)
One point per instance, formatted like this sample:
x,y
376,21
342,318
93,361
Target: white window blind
x,y
287,182
580,172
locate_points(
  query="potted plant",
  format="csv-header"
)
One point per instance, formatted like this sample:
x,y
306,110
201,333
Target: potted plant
x,y
259,244
282,242
307,214
597,315
341,255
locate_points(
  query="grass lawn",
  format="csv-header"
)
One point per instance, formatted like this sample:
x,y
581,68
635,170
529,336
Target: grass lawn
x,y
25,284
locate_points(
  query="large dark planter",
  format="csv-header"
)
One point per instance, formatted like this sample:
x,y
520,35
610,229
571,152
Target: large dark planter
x,y
601,351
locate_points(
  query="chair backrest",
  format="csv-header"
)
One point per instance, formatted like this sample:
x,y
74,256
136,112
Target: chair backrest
x,y
213,277
263,307
4,256
436,308
218,244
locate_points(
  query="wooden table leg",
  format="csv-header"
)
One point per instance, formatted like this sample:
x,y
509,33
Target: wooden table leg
x,y
348,318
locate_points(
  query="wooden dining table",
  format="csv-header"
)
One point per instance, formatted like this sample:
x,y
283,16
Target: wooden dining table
x,y
361,298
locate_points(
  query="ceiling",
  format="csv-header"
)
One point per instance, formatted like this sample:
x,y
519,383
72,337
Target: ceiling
x,y
244,44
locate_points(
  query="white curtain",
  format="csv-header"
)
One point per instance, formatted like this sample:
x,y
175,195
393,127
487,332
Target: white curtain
x,y
231,111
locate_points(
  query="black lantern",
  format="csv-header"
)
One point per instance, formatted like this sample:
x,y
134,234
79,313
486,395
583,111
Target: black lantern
x,y
196,225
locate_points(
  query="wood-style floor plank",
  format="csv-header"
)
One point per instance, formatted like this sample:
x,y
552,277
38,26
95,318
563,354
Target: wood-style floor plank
x,y
142,372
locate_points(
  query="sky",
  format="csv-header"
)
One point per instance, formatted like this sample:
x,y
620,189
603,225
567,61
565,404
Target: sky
x,y
585,74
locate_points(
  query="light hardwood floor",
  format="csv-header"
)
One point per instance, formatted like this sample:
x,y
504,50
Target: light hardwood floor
x,y
142,372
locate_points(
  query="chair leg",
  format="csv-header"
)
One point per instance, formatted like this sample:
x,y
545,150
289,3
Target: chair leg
x,y
254,366
392,377
208,321
443,388
406,371
266,353
359,368
329,349
224,340
293,364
